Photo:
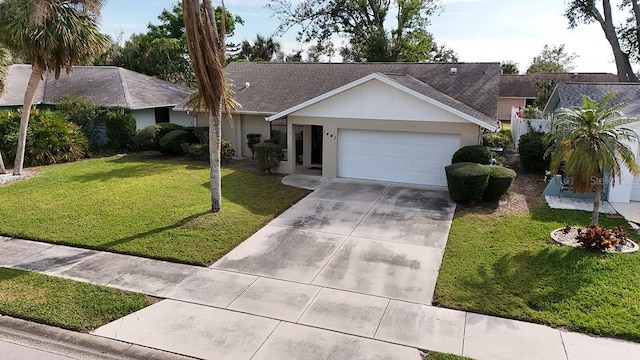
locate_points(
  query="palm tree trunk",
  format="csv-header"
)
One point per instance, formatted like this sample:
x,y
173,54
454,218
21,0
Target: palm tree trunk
x,y
215,140
596,206
32,87
3,170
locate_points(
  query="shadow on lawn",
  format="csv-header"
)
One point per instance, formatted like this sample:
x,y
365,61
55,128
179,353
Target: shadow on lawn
x,y
132,166
540,280
178,224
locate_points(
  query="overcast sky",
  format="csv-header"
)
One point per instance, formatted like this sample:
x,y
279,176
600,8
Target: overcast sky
x,y
478,30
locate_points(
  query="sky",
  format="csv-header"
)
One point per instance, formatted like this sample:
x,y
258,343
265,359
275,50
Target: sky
x,y
478,30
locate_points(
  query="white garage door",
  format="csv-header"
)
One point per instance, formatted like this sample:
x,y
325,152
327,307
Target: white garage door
x,y
416,158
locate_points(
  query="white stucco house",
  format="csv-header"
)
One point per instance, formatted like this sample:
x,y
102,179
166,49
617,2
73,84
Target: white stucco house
x,y
398,122
570,94
149,100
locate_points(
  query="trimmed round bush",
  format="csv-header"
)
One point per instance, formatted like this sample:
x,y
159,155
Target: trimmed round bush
x,y
474,154
467,181
500,180
149,137
171,143
531,148
227,152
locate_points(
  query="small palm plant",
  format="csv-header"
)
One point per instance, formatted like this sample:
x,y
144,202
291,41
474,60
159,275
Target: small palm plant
x,y
591,143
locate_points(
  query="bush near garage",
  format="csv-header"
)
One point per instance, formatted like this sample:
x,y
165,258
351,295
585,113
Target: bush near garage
x,y
171,142
268,155
497,140
531,149
121,128
474,154
500,180
467,181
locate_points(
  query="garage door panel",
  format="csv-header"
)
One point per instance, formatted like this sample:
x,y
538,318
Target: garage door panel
x,y
406,157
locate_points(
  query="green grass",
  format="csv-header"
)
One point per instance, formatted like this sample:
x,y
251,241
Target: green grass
x,y
442,356
151,208
64,303
508,266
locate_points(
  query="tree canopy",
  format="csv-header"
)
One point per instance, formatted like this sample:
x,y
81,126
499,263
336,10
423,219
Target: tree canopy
x,y
162,51
588,11
263,48
364,25
552,59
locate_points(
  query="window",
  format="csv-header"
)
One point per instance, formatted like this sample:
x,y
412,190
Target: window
x,y
279,132
162,115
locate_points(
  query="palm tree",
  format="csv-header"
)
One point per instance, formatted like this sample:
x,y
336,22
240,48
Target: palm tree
x,y
263,49
589,141
207,51
5,60
51,35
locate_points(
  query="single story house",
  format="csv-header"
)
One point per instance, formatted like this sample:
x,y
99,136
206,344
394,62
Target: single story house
x,y
570,94
150,100
398,122
521,91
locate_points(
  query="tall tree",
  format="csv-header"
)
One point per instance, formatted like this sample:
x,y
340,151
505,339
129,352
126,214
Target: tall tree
x,y
509,67
207,48
162,51
589,140
51,35
363,24
264,48
552,59
5,60
587,11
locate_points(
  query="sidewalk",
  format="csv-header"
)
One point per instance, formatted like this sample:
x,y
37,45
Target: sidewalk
x,y
212,314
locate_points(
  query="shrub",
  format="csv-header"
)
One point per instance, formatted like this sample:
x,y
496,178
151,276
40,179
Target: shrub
x,y
196,151
268,155
500,180
252,141
84,113
497,140
51,138
121,128
226,151
467,181
600,238
149,137
475,154
531,149
171,142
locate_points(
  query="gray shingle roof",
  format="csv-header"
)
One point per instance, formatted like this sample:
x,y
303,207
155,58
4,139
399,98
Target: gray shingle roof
x,y
418,86
275,87
524,85
103,85
570,94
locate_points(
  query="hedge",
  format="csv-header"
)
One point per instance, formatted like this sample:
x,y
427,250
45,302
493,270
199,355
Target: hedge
x,y
500,181
149,137
474,154
531,148
467,181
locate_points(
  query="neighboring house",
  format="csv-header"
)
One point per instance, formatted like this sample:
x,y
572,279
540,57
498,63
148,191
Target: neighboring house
x,y
150,100
521,91
570,94
398,122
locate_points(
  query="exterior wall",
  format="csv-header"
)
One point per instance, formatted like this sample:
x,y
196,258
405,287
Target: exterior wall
x,y
469,135
144,117
505,104
181,118
377,100
621,191
237,133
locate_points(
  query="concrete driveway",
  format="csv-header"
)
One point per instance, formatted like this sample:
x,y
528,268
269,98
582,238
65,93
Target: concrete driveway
x,y
365,237
347,273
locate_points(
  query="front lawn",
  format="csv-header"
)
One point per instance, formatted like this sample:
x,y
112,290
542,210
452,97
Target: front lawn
x,y
147,207
504,263
64,303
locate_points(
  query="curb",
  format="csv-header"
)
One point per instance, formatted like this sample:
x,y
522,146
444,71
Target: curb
x,y
75,345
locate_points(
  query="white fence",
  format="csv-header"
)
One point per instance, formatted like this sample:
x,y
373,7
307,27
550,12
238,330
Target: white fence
x,y
520,126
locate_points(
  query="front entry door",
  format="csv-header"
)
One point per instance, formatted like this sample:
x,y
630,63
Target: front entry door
x,y
316,145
